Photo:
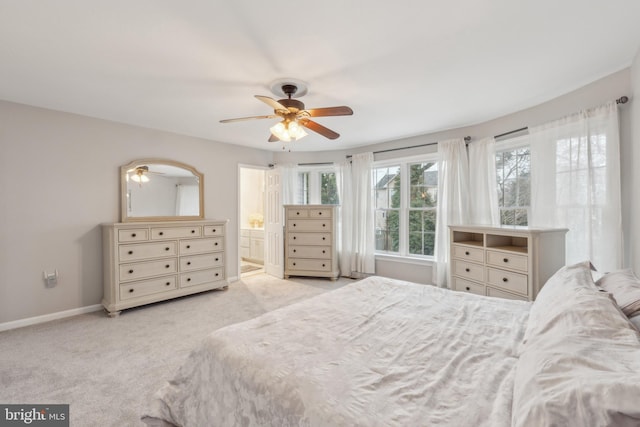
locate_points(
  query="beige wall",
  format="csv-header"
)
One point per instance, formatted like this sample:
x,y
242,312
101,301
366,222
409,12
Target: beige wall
x,y
59,179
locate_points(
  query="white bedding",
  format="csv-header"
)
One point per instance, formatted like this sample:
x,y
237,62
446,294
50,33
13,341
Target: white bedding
x,y
378,352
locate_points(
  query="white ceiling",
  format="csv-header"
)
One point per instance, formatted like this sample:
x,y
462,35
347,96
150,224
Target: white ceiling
x,y
405,67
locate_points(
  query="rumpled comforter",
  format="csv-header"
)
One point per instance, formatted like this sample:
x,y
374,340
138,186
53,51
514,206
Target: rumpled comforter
x,y
378,352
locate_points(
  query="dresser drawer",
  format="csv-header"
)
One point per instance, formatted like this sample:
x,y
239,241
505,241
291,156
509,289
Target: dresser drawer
x,y
468,270
309,225
469,287
513,282
141,270
320,213
197,246
200,277
297,213
309,238
213,230
507,260
322,252
133,235
146,251
507,295
470,254
175,232
147,287
198,262
308,264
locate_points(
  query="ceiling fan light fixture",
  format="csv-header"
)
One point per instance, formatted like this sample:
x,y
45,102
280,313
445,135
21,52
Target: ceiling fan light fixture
x,y
286,131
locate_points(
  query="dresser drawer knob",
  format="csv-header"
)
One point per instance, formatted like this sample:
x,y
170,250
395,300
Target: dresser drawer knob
x,y
133,234
319,213
467,270
323,265
168,283
188,279
193,231
217,274
188,263
324,225
467,253
213,230
217,259
324,238
504,279
131,290
166,249
295,250
505,259
324,252
167,266
215,244
130,271
161,233
297,213
294,237
468,288
294,263
130,252
294,224
188,246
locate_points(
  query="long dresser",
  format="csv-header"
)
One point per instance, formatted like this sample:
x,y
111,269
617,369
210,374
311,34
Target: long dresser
x,y
150,262
504,262
310,241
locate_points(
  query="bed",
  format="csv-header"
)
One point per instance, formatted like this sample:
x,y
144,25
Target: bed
x,y
383,352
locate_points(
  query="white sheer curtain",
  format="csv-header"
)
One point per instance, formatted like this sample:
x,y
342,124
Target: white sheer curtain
x,y
290,190
575,183
483,187
187,197
453,181
357,241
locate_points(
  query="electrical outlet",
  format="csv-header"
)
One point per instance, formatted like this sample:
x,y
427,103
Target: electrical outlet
x,y
50,279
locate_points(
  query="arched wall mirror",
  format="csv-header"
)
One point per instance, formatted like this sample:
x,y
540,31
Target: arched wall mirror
x,y
161,190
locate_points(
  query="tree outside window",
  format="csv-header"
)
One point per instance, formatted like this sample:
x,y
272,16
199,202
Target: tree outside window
x,y
386,184
513,169
423,196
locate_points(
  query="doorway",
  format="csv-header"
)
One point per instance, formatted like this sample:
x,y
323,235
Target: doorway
x,y
251,216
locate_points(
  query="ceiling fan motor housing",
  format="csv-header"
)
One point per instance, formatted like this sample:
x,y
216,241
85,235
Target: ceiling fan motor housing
x,y
292,103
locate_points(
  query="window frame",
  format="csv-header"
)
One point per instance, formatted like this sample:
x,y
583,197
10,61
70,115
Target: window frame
x,y
404,164
512,144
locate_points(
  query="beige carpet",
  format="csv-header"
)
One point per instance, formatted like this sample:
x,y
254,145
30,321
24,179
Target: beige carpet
x,y
106,369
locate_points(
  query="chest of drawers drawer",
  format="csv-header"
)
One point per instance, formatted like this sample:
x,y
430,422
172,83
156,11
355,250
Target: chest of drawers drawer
x,y
188,247
309,225
198,262
468,286
468,270
507,260
133,235
141,251
147,287
175,232
309,239
507,280
323,252
468,253
299,264
200,277
145,269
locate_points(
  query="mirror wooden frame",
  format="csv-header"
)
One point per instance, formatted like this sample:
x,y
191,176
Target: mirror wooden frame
x,y
124,169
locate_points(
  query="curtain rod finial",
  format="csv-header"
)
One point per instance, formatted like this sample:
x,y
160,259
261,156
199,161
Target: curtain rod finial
x,y
622,100
467,139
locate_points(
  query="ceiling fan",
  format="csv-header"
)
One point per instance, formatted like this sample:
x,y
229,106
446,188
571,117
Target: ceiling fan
x,y
140,174
295,118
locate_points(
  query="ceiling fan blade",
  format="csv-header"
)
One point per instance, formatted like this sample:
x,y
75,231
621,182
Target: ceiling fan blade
x,y
240,119
273,138
318,128
272,102
330,111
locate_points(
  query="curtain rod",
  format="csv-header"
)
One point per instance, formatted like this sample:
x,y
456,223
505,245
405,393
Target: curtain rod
x,y
467,139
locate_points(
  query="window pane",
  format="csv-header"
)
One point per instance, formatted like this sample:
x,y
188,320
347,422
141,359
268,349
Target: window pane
x,y
387,187
422,226
387,230
513,170
423,189
303,188
328,189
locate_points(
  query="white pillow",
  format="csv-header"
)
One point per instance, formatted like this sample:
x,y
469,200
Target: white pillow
x,y
580,362
625,288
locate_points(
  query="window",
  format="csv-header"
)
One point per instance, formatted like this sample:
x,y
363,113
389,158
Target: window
x,y
406,195
317,187
513,167
386,185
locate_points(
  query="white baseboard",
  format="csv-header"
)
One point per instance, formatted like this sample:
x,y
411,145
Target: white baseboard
x,y
49,317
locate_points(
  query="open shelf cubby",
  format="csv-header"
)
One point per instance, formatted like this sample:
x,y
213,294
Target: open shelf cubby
x,y
468,238
508,243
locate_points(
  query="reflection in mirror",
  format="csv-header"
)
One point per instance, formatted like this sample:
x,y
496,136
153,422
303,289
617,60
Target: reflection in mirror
x,y
154,189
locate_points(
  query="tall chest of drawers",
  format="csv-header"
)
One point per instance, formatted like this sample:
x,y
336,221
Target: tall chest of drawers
x,y
310,241
150,262
504,262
